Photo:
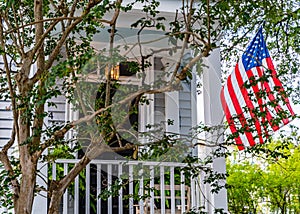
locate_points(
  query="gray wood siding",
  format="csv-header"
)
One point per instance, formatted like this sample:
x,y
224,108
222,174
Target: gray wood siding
x,y
57,112
57,116
6,122
185,111
184,102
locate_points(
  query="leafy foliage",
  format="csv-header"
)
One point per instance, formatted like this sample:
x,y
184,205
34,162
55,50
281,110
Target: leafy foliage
x,y
270,183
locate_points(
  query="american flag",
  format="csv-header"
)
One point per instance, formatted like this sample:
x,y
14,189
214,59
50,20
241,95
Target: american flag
x,y
253,99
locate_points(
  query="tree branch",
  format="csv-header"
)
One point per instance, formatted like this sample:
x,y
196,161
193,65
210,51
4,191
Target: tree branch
x,y
9,81
182,74
111,46
18,46
39,21
59,134
7,165
186,38
39,106
208,23
10,143
62,40
94,151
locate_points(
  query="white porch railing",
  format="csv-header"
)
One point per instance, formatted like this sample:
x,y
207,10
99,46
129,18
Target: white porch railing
x,y
136,187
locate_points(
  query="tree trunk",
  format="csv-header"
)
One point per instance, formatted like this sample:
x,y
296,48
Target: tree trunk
x,y
55,202
57,188
27,186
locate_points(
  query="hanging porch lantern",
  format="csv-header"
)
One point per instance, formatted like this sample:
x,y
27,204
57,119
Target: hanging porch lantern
x,y
114,72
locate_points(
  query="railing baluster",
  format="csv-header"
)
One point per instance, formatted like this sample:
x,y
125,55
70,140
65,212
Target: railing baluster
x,y
120,190
151,189
131,189
109,183
98,188
203,189
87,189
162,189
172,187
198,192
182,191
141,190
65,197
76,196
193,198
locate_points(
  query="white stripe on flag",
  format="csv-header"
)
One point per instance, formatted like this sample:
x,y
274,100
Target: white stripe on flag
x,y
233,113
241,101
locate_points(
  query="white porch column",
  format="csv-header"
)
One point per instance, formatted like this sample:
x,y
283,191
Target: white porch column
x,y
172,111
210,107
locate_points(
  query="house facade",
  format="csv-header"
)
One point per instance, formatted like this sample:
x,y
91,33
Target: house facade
x,y
166,187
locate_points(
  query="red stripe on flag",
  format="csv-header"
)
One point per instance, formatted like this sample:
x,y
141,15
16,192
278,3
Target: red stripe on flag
x,y
278,83
248,102
274,74
239,112
272,98
265,87
277,108
230,121
260,101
